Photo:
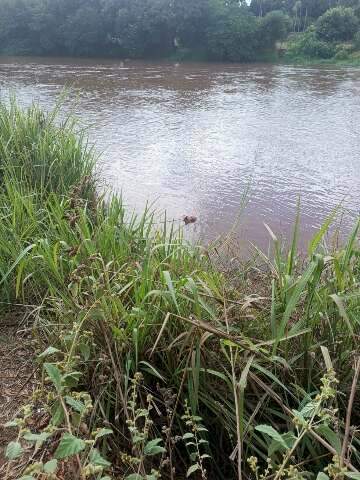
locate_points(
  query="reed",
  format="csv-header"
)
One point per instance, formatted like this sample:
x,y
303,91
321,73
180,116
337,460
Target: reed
x,y
192,369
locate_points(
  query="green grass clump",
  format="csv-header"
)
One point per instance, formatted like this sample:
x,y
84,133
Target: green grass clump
x,y
43,151
189,368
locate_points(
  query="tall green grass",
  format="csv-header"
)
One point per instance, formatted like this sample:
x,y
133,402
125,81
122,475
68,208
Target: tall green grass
x,y
40,149
240,359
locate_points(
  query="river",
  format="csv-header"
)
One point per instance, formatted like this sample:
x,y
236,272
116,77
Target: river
x,y
194,137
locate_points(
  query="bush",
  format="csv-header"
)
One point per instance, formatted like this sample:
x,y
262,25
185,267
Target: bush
x,y
341,54
308,45
357,41
41,154
232,35
343,51
273,27
337,24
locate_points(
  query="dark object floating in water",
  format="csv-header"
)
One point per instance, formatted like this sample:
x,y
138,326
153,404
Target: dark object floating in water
x,y
189,219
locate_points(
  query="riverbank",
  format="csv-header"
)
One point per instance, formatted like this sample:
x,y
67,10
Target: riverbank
x,y
271,58
161,359
282,56
353,60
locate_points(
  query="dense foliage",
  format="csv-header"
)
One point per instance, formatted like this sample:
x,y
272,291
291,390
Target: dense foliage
x,y
209,29
337,24
156,363
308,45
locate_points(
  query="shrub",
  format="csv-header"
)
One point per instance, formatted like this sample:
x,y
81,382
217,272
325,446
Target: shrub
x,y
308,45
343,50
41,154
273,27
357,41
232,35
341,54
337,24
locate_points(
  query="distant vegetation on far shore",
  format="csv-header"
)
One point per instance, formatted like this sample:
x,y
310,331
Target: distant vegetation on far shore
x,y
214,30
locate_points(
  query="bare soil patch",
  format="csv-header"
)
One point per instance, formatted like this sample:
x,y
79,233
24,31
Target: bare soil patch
x,y
18,378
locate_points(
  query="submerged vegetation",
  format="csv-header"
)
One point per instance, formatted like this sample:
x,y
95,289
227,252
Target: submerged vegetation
x,y
221,30
162,359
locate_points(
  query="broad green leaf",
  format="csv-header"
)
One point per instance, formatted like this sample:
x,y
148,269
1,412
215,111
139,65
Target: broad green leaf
x,y
134,476
269,430
68,446
13,450
153,448
289,439
12,423
51,466
72,379
334,440
36,437
49,351
188,435
57,413
322,476
85,351
26,477
202,429
103,432
193,456
141,412
274,447
353,475
192,469
97,459
308,410
75,404
54,374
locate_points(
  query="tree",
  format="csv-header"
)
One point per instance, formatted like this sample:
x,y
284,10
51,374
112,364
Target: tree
x,y
308,45
143,28
190,21
221,29
260,8
273,27
232,33
82,32
337,24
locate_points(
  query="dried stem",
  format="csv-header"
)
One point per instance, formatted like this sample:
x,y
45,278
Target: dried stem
x,y
349,411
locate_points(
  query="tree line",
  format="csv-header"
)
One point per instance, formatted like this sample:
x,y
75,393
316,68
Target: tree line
x,y
228,30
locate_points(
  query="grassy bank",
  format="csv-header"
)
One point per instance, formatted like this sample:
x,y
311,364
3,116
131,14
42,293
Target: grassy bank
x,y
156,362
352,60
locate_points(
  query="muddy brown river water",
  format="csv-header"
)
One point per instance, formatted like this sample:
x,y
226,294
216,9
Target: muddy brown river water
x,y
193,137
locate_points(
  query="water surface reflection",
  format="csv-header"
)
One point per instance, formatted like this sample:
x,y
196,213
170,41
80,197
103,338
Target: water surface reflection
x,y
194,136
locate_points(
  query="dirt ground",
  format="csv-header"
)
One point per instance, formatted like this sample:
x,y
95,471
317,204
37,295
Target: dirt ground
x,y
18,378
